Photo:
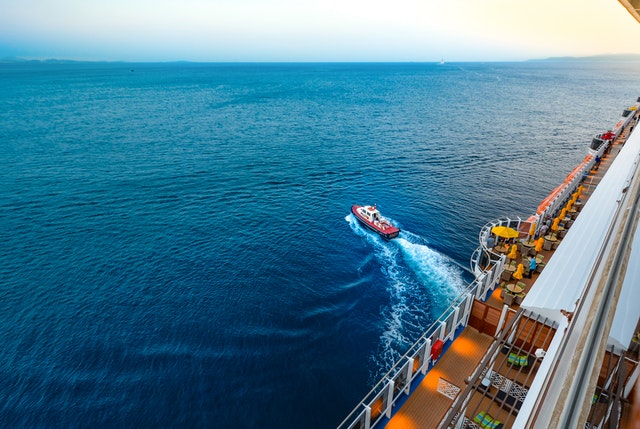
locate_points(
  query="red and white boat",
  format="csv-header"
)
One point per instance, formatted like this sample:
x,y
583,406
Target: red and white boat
x,y
370,218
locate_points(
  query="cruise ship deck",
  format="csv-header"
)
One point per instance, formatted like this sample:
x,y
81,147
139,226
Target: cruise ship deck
x,y
551,344
478,364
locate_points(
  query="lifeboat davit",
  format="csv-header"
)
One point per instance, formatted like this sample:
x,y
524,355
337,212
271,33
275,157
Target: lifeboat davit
x,y
370,218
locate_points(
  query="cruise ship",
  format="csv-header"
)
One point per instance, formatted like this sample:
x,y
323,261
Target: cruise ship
x,y
548,334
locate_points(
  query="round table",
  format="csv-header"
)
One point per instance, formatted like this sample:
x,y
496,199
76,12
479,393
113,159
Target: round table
x,y
529,246
548,241
511,287
561,232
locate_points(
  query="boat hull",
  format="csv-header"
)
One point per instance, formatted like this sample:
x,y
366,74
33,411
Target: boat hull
x,y
388,233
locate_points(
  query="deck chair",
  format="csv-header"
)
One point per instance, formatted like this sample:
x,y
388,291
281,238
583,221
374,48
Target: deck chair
x,y
485,420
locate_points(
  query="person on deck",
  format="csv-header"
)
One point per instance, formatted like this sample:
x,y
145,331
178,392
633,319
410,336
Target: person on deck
x,y
543,230
532,266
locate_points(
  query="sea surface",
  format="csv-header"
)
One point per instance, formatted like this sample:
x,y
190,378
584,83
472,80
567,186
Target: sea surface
x,y
175,239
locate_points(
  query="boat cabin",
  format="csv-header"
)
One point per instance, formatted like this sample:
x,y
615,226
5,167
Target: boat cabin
x,y
370,213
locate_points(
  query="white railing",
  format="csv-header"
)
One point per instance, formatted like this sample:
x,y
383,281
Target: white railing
x,y
487,266
377,405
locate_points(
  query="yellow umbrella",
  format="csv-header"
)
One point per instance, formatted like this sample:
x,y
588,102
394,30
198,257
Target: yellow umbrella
x,y
519,271
513,253
532,230
555,225
569,205
539,244
504,231
563,213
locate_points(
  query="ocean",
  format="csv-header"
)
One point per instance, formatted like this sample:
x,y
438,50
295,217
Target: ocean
x,y
177,245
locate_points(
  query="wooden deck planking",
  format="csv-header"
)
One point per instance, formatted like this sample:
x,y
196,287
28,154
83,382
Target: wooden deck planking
x,y
426,406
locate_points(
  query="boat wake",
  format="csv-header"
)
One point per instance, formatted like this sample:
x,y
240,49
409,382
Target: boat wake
x,y
420,282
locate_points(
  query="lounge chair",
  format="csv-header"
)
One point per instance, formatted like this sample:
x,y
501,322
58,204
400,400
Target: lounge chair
x,y
524,362
485,420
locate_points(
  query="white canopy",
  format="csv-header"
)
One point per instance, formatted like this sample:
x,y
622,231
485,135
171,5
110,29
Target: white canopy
x,y
564,278
628,309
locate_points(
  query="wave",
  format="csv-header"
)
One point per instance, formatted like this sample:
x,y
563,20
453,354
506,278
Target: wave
x,y
421,283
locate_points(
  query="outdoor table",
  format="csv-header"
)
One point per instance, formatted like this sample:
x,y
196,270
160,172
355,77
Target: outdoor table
x,y
548,242
501,249
508,271
511,287
528,246
561,232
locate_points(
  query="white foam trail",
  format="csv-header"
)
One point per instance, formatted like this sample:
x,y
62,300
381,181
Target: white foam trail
x,y
415,273
432,268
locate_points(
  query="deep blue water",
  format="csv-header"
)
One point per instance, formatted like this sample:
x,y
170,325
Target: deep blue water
x,y
176,243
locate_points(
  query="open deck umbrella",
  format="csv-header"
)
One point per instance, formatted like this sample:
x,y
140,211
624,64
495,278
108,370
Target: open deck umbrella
x,y
519,272
513,252
504,231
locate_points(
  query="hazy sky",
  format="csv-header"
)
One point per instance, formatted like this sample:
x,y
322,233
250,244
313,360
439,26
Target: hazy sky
x,y
327,30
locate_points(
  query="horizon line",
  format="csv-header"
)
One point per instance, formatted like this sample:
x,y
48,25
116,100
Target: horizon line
x,y
599,57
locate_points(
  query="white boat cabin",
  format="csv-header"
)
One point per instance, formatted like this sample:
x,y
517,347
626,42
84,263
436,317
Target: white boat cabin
x,y
370,213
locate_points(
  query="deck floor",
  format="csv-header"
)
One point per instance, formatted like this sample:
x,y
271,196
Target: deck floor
x,y
455,366
426,407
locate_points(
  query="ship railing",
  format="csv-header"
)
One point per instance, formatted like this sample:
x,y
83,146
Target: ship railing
x,y
377,405
405,374
571,186
580,174
510,222
487,264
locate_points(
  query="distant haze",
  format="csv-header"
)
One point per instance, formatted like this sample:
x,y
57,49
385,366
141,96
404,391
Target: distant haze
x,y
331,30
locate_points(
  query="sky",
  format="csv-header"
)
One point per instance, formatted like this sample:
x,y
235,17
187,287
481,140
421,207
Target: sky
x,y
328,30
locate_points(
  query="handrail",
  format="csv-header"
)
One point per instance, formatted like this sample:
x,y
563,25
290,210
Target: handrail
x,y
379,400
453,311
366,414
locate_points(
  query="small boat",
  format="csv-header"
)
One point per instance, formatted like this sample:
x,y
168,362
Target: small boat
x,y
370,218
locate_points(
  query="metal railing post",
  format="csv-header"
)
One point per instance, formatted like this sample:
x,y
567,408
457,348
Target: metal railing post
x,y
392,385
